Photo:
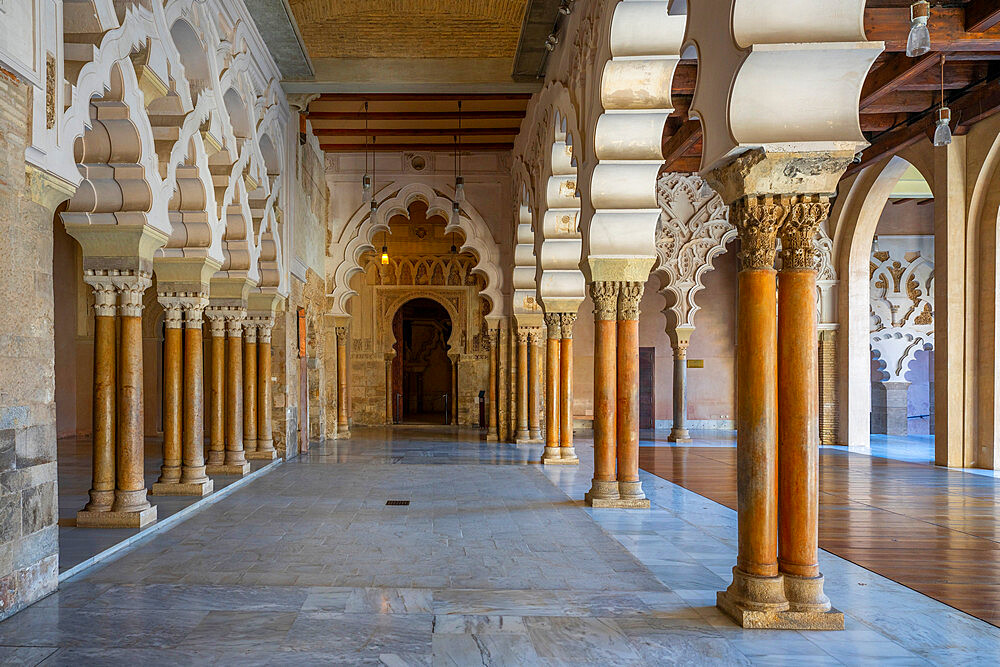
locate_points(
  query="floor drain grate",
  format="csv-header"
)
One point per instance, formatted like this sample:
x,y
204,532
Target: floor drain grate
x,y
397,502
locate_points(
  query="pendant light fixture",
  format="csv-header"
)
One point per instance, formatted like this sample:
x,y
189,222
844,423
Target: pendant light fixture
x,y
942,129
366,180
454,246
918,42
459,181
385,251
371,182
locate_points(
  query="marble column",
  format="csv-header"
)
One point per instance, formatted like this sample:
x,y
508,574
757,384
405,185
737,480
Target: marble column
x,y
627,418
130,507
679,339
217,392
453,406
183,418
534,425
343,431
604,487
567,453
236,462
798,418
551,453
757,586
265,403
102,491
388,389
493,345
249,388
523,435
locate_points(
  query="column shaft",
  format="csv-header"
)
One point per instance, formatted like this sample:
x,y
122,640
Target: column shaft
x,y
627,427
249,388
102,493
604,486
454,392
265,436
554,333
342,427
567,453
522,386
491,387
235,457
679,431
534,425
217,394
193,447
173,373
388,391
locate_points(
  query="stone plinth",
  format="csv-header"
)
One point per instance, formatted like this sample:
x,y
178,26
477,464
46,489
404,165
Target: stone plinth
x,y
779,620
228,469
258,455
112,519
616,503
183,488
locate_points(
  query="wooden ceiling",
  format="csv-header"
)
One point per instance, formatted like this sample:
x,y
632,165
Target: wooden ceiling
x,y
417,121
901,94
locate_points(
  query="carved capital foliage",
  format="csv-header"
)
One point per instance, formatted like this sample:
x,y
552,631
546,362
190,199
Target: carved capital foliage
x,y
605,298
757,220
104,295
534,335
566,322
553,325
131,286
341,335
522,336
798,233
629,296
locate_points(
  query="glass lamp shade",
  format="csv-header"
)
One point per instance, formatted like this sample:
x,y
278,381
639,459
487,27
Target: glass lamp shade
x,y
366,188
918,42
942,129
373,208
459,188
454,213
385,255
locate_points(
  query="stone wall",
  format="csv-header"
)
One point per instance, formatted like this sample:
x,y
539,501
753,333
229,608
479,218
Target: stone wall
x,y
28,507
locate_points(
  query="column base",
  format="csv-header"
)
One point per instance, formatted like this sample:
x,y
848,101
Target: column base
x,y
528,441
342,435
679,435
109,519
182,488
535,433
559,457
228,469
778,620
806,594
492,437
616,503
259,455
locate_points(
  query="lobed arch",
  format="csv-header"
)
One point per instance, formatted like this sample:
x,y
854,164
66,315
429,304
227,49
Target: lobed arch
x,y
458,333
523,274
395,199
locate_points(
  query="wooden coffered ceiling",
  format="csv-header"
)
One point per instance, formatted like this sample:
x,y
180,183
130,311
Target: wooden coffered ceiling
x,y
417,121
901,94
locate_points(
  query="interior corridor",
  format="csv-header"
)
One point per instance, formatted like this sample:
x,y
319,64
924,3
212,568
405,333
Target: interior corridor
x,y
492,562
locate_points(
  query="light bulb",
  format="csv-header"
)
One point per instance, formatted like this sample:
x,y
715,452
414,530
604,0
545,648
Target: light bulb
x,y
385,255
942,131
454,213
918,42
459,188
366,187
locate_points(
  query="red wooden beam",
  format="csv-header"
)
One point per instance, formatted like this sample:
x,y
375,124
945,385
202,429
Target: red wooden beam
x,y
415,115
680,143
981,15
414,131
947,26
466,147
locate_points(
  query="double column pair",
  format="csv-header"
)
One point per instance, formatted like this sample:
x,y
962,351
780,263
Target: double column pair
x,y
776,581
118,495
529,429
616,396
559,389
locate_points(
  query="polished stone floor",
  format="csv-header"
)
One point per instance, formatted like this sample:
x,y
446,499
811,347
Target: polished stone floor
x,y
494,562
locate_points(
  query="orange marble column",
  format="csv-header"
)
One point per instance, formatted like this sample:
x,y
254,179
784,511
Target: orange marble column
x,y
173,378
343,430
553,328
523,435
679,339
102,491
265,403
534,422
492,341
388,389
798,418
249,388
236,462
627,414
217,392
757,586
604,487
567,453
453,406
193,446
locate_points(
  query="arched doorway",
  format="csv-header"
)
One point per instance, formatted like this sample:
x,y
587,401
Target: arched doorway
x,y
422,370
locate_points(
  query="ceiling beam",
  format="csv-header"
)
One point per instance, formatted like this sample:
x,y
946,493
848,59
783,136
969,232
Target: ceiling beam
x,y
415,115
360,148
415,131
682,141
946,25
897,69
419,97
981,15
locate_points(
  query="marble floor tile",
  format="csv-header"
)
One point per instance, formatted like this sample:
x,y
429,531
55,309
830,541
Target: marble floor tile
x,y
488,650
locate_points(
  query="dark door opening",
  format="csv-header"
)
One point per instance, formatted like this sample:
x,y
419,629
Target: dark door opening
x,y
421,369
647,387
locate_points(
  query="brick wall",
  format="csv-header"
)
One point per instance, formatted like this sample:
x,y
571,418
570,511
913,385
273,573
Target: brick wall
x,y
828,401
28,507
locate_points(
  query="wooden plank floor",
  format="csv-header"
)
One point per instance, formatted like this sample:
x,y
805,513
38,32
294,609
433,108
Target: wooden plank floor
x,y
933,530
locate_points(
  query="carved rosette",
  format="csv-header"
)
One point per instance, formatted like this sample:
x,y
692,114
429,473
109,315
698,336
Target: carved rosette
x,y
605,298
757,220
566,322
553,326
629,296
799,250
131,287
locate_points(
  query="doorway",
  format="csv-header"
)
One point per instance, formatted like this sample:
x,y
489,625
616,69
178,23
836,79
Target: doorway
x,y
647,387
421,370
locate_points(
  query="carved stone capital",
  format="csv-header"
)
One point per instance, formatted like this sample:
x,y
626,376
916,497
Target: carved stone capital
x,y
566,322
234,327
186,306
522,336
264,325
629,296
798,232
534,335
553,325
104,294
250,330
604,294
131,286
341,335
757,219
173,314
